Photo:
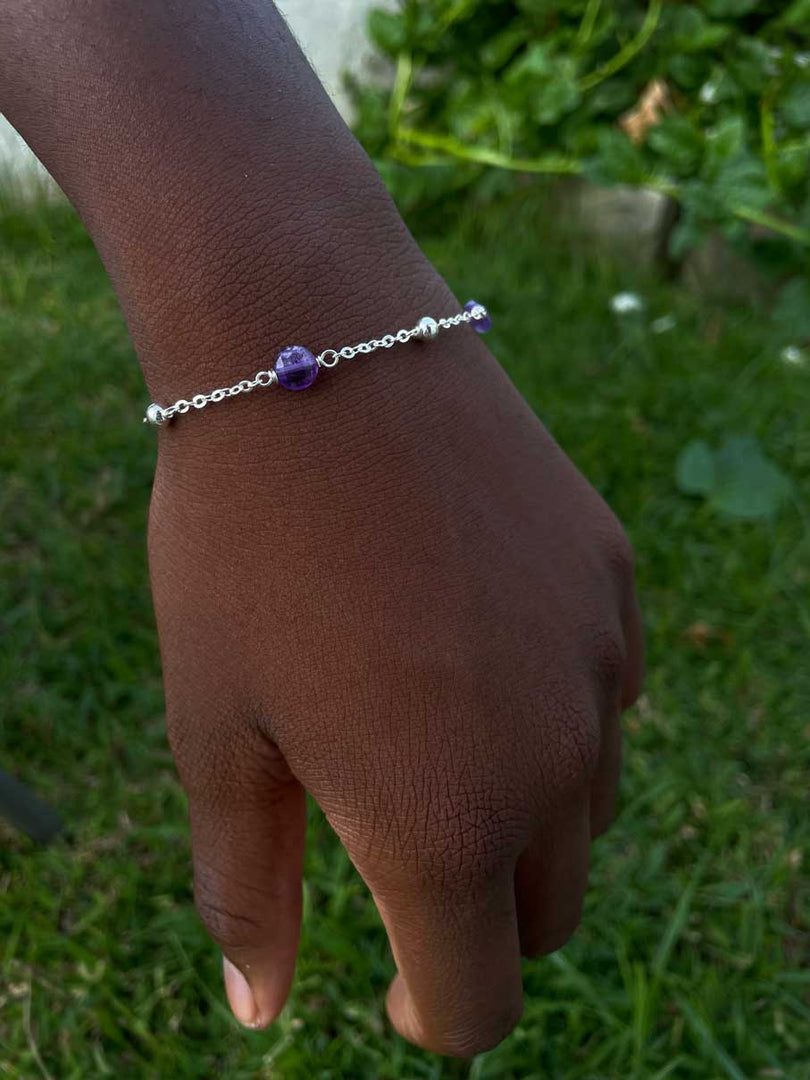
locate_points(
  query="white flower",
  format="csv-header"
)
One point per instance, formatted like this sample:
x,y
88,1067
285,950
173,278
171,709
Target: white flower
x,y
802,59
624,303
792,354
708,93
664,324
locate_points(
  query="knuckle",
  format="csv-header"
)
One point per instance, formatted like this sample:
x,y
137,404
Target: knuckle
x,y
232,932
466,839
608,657
619,551
447,825
569,754
227,905
200,751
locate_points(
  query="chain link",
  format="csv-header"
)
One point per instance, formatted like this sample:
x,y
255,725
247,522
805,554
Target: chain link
x,y
199,401
424,330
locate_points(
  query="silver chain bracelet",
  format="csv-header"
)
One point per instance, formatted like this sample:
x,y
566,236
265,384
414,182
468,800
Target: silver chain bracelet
x,y
296,367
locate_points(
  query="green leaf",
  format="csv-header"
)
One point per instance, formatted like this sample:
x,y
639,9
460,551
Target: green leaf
x,y
610,98
791,312
502,46
557,96
695,472
724,142
797,14
536,62
549,9
548,83
744,182
795,106
752,64
678,141
748,484
688,72
720,89
387,30
729,9
687,234
793,161
705,201
691,31
737,480
617,161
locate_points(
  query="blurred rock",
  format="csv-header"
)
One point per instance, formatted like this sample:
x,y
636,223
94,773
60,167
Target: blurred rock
x,y
634,223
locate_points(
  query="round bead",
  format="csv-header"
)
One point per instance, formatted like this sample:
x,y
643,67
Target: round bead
x,y
296,367
154,414
482,321
427,329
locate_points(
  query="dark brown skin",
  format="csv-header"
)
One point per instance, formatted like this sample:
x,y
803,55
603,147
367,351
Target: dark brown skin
x,y
394,590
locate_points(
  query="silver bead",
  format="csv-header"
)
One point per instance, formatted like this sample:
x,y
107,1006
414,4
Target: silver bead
x,y
426,329
154,415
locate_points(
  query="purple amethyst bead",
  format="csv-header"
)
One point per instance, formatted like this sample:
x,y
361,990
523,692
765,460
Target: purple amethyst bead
x,y
482,324
296,368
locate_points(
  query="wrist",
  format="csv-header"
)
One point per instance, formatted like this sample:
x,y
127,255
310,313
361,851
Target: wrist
x,y
356,357
320,282
381,412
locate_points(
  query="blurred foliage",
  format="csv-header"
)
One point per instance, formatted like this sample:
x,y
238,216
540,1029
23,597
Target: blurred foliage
x,y
707,102
737,480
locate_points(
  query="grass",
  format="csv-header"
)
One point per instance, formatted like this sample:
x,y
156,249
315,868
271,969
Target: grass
x,y
694,957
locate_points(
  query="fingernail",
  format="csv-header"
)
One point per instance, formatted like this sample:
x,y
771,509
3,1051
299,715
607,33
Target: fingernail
x,y
240,996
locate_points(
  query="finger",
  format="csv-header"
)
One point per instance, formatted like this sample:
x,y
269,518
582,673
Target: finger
x,y
550,881
248,825
458,990
605,785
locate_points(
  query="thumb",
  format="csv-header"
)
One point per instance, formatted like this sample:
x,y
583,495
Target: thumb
x,y
248,821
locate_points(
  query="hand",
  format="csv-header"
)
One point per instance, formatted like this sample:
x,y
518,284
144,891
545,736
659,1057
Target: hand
x,y
402,597
392,590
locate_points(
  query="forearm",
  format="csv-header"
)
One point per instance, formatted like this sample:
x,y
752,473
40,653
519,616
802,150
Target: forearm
x,y
232,207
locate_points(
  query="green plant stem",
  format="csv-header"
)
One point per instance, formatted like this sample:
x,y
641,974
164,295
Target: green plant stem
x,y
588,23
402,83
630,50
454,13
556,164
775,224
769,144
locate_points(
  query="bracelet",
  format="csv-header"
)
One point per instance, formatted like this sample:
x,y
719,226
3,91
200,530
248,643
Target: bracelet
x,y
296,367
